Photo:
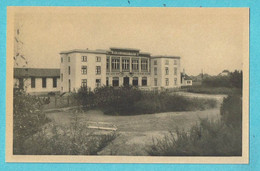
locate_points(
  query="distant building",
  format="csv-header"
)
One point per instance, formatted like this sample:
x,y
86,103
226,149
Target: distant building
x,y
37,81
186,80
117,67
224,73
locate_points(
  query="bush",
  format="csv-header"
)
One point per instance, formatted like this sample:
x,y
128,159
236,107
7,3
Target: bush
x,y
209,138
74,139
213,90
28,118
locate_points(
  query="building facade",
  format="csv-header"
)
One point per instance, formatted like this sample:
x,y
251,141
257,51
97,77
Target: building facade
x,y
36,80
117,67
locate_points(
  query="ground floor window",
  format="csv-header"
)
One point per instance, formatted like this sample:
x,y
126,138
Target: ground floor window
x,y
54,82
167,81
107,81
155,82
21,83
43,82
115,82
32,82
175,81
98,82
84,83
135,81
144,81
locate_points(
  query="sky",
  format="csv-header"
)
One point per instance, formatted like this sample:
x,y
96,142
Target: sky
x,y
207,39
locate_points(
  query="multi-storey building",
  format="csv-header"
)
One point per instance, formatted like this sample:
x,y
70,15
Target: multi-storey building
x,y
117,67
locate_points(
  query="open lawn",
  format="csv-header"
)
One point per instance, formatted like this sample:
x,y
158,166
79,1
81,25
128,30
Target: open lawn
x,y
135,132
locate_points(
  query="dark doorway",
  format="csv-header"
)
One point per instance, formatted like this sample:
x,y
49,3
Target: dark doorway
x,y
126,81
21,83
115,82
69,86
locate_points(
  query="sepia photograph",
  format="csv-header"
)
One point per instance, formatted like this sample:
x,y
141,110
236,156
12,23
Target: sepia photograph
x,y
127,85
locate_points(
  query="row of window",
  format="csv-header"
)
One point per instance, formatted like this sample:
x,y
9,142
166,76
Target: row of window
x,y
115,64
44,82
166,81
166,71
166,62
84,59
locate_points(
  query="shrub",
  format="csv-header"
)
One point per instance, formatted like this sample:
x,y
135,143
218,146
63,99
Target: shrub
x,y
28,118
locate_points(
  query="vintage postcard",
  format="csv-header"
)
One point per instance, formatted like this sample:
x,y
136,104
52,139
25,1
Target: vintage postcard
x,y
127,85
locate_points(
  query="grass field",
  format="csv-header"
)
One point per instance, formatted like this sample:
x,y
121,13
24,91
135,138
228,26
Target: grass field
x,y
136,132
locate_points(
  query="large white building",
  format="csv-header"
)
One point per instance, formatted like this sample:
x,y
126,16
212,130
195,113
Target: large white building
x,y
117,67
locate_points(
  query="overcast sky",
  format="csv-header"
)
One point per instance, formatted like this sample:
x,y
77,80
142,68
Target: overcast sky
x,y
208,39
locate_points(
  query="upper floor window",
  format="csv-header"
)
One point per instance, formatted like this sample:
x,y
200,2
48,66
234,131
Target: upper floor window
x,y
98,82
32,82
155,71
166,62
54,82
175,71
84,70
68,59
125,64
144,65
108,63
84,83
98,59
98,70
84,58
43,82
166,71
69,70
115,63
61,77
166,81
135,64
175,62
155,62
61,59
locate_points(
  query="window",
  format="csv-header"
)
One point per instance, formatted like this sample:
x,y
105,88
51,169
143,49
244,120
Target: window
x,y
115,63
84,83
84,70
135,64
144,64
155,62
175,81
98,82
107,81
108,63
32,82
188,82
166,62
21,83
84,58
175,62
166,71
69,70
125,64
155,71
135,81
115,82
43,82
167,81
61,88
175,71
61,59
61,77
68,59
155,82
54,82
98,70
98,59
144,81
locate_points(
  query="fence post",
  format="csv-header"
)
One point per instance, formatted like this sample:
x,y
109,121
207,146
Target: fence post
x,y
68,100
55,101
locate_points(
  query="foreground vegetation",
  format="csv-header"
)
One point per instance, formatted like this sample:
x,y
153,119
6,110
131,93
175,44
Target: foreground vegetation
x,y
132,101
208,138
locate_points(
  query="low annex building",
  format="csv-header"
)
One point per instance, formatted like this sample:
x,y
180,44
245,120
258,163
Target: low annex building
x,y
117,67
37,80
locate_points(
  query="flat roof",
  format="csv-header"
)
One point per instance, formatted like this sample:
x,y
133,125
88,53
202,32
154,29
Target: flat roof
x,y
173,57
84,51
36,72
124,49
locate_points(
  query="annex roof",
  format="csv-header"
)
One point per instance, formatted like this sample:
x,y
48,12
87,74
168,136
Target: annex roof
x,y
36,72
84,51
